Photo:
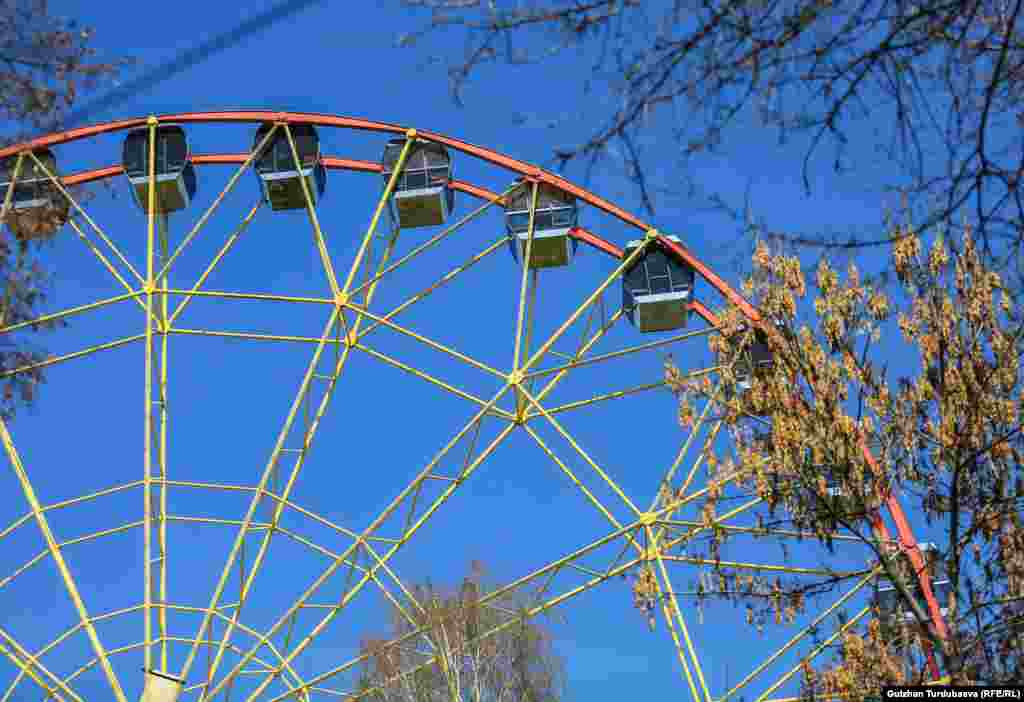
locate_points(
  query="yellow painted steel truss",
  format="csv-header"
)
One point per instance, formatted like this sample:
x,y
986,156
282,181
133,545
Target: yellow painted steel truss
x,y
644,538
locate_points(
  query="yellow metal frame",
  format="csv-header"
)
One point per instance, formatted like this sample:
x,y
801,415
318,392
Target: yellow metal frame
x,y
58,559
646,539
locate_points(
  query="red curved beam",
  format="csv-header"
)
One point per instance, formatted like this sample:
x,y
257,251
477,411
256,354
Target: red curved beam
x,y
70,135
91,176
708,316
349,164
596,241
341,122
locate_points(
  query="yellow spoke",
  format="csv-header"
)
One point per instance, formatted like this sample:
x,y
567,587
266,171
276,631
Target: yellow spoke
x,y
321,245
428,342
553,339
436,239
252,336
530,323
168,262
235,235
583,454
627,351
579,485
447,278
69,312
58,558
268,297
103,259
497,411
767,531
597,336
26,663
703,454
73,355
813,654
772,568
683,451
667,612
410,137
99,232
528,334
708,443
676,613
615,395
798,637
299,461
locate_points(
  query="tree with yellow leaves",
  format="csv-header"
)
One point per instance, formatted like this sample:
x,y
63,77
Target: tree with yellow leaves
x,y
831,434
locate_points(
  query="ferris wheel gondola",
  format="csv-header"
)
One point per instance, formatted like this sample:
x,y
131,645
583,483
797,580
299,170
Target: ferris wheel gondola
x,y
173,170
37,207
283,181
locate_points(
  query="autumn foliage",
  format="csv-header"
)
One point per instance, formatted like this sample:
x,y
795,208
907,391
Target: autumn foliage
x,y
48,62
926,381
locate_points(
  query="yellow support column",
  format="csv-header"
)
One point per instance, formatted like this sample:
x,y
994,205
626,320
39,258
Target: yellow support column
x,y
261,489
147,460
675,610
163,439
308,436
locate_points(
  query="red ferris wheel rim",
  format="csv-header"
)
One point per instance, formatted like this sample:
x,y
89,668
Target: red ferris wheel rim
x,y
492,156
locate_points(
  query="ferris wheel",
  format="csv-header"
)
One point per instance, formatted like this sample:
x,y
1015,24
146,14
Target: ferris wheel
x,y
331,410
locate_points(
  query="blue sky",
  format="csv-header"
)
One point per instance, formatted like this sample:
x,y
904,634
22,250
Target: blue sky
x,y
228,398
